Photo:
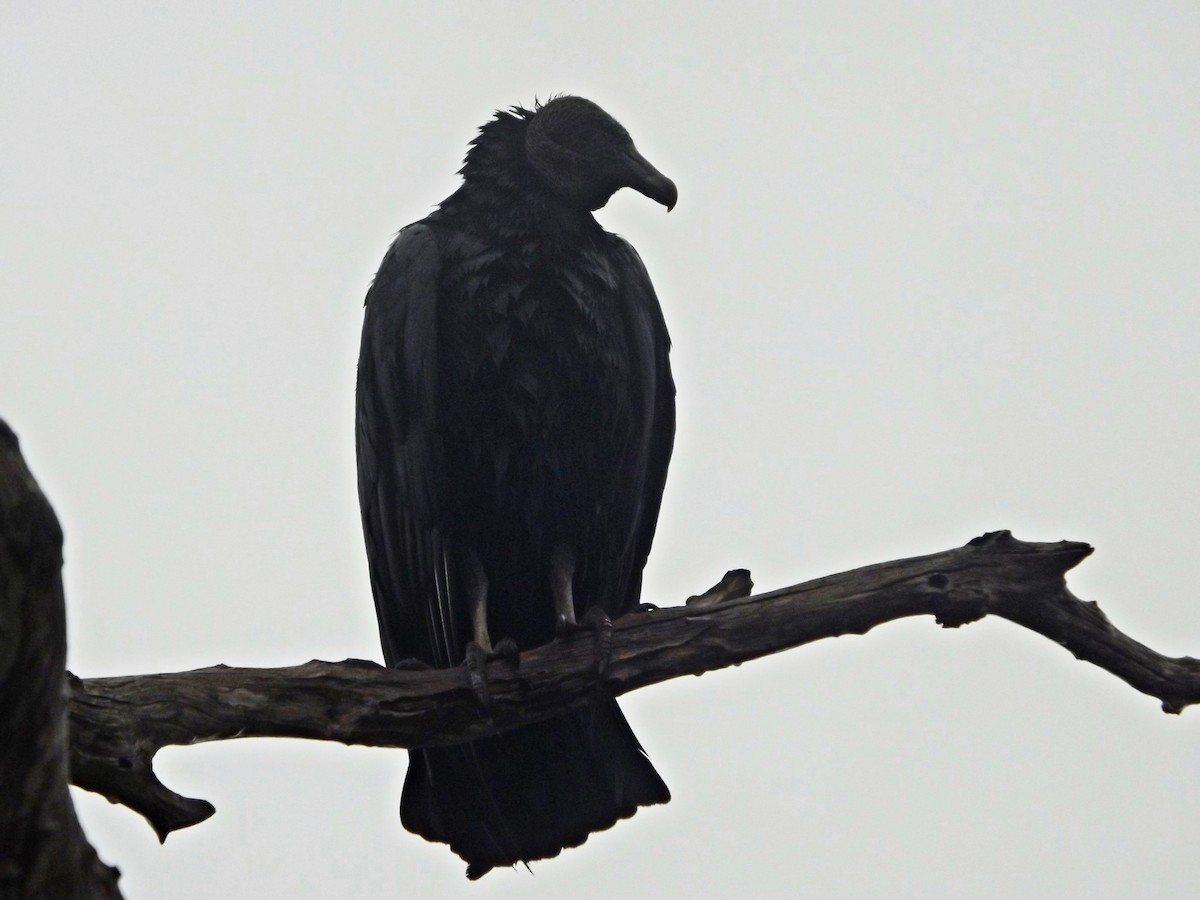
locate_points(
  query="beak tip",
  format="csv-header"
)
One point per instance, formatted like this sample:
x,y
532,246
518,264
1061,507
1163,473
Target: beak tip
x,y
647,180
667,194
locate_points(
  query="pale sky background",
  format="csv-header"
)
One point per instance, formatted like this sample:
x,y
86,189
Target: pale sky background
x,y
934,271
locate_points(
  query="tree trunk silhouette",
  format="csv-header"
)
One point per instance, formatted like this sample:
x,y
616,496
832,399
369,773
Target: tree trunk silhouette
x,y
43,852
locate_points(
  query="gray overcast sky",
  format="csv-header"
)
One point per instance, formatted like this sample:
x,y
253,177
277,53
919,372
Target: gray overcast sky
x,y
934,271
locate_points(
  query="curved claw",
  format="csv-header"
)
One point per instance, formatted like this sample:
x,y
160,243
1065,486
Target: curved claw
x,y
412,664
476,659
600,625
598,618
506,649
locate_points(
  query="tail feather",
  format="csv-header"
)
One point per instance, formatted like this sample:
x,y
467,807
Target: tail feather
x,y
530,793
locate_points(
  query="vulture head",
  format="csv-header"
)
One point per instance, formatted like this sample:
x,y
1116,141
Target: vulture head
x,y
584,155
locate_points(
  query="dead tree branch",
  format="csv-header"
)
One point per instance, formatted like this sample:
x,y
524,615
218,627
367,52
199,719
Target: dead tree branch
x,y
118,724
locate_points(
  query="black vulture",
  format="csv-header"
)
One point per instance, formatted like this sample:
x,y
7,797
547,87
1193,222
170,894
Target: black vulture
x,y
515,418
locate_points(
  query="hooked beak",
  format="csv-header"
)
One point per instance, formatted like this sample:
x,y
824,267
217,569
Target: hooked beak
x,y
647,180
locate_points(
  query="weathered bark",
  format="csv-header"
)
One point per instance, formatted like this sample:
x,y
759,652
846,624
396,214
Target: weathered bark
x,y
119,723
43,852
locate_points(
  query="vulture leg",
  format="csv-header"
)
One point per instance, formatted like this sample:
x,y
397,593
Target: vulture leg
x,y
562,579
472,581
595,620
469,582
